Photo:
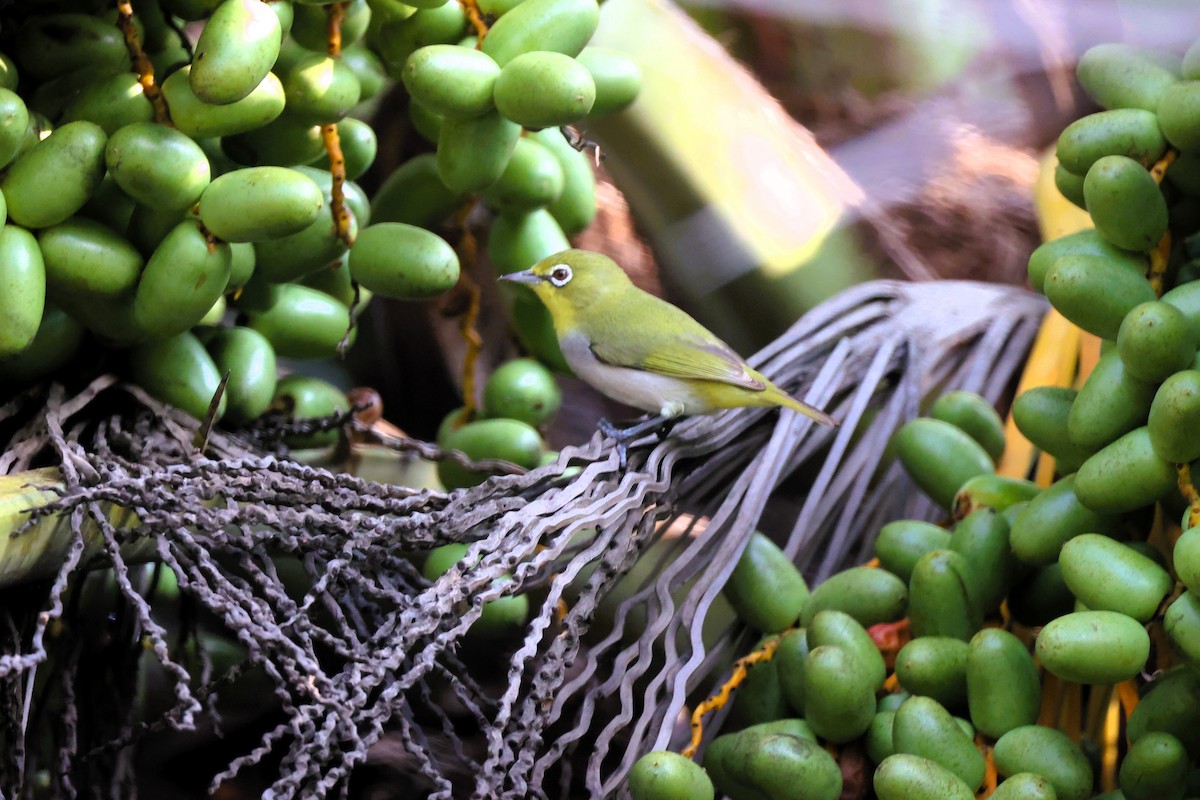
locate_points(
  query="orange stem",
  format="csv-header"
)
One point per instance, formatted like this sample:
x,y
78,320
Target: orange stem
x,y
333,28
468,250
741,668
475,17
141,64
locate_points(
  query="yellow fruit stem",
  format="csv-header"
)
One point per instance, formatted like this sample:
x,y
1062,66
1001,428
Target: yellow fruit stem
x,y
330,138
468,249
1188,490
740,669
141,64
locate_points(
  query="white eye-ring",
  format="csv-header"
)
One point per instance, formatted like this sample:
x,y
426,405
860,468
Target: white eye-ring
x,y
560,275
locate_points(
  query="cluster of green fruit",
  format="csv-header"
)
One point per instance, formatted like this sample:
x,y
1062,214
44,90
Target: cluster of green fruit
x,y
139,213
1035,557
495,111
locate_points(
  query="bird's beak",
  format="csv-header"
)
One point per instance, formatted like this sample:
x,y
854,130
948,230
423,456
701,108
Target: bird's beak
x,y
525,276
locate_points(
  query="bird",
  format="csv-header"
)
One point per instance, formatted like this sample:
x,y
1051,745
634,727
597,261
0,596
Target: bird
x,y
641,350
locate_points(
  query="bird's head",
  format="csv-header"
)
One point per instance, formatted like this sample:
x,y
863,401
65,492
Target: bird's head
x,y
571,280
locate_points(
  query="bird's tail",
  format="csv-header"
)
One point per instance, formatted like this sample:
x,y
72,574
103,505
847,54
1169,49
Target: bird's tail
x,y
812,412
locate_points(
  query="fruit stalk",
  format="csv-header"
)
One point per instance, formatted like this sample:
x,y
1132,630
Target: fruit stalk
x,y
141,64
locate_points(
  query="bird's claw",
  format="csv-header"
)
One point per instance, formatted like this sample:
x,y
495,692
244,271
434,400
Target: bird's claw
x,y
660,425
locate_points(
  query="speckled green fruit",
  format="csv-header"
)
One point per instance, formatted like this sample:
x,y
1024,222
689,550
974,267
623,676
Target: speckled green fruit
x,y
1070,186
936,667
1182,624
1155,340
560,26
901,544
521,389
1170,704
504,439
903,776
663,775
1052,519
1111,403
414,194
1126,204
1094,647
790,655
617,77
14,120
359,147
288,258
940,602
1186,559
1130,132
1117,76
869,595
1004,690
1155,768
975,416
367,68
157,165
300,322
982,539
1049,753
22,291
86,259
1174,416
280,143
1106,575
575,208
400,38
472,152
304,397
543,90
1179,114
310,28
1086,242
259,203
450,80
49,45
71,160
771,765
250,361
997,492
335,281
532,178
922,727
182,279
112,103
201,120
179,372
1096,292
1124,476
403,261
320,89
839,703
58,339
1024,786
939,457
837,628
518,241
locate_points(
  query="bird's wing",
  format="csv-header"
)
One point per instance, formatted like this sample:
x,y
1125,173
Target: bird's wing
x,y
688,351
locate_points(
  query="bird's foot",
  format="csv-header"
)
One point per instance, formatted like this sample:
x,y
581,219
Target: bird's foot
x,y
660,424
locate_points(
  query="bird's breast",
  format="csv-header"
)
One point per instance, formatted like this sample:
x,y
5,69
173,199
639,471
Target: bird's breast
x,y
639,388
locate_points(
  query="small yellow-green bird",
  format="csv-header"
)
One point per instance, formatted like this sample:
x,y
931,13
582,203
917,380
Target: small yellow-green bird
x,y
643,351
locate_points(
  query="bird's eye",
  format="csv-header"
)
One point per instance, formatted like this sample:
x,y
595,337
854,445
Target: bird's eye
x,y
560,275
